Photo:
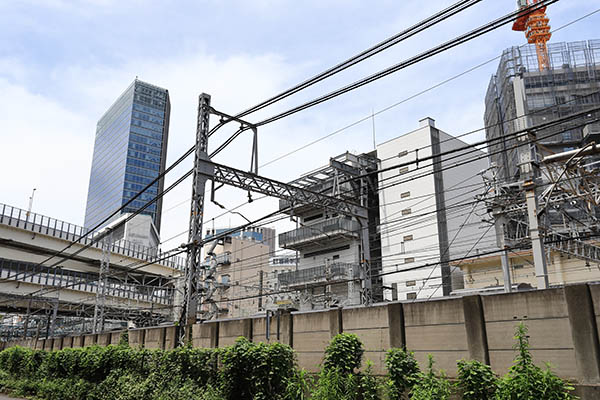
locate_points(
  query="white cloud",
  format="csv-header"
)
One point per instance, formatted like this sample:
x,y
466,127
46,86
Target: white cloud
x,y
42,148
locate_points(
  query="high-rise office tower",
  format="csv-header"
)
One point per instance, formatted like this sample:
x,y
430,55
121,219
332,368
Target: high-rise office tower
x,y
129,153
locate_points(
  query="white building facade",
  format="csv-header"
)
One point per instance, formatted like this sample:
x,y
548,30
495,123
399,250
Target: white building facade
x,y
429,214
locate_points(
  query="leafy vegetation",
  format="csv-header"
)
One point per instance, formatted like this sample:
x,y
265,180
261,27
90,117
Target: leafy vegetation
x,y
476,380
344,353
430,386
339,378
525,380
403,372
260,371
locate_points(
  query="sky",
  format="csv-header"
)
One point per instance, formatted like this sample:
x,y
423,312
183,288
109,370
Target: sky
x,y
64,62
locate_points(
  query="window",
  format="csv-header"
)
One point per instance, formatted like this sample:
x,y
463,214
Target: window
x,y
406,211
411,283
402,170
405,195
411,296
225,279
402,153
394,291
336,257
408,238
409,260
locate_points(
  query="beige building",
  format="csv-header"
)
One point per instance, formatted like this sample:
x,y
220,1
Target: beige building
x,y
486,272
242,268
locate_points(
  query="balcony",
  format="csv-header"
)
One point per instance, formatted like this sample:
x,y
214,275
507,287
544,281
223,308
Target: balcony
x,y
332,230
336,272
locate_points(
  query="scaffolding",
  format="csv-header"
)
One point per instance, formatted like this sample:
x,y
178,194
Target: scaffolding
x,y
519,96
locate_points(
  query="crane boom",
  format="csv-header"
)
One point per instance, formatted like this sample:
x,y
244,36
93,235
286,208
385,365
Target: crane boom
x,y
536,26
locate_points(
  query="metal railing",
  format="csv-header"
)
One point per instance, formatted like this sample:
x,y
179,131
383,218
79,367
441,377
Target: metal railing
x,y
30,221
335,271
324,228
222,259
82,281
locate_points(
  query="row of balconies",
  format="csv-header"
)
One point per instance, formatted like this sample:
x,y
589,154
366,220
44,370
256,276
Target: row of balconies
x,y
333,229
333,272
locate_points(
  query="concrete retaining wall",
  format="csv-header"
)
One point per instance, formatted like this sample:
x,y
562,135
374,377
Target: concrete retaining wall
x,y
562,322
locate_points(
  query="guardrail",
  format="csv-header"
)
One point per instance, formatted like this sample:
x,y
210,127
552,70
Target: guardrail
x,y
19,218
82,281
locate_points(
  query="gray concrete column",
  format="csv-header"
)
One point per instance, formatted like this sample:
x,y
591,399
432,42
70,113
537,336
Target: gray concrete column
x,y
584,332
213,329
247,328
287,329
396,325
336,325
475,329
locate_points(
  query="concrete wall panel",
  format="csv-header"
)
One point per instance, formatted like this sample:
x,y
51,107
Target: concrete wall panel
x,y
136,338
154,338
437,327
89,340
170,337
545,314
67,342
205,335
230,330
372,327
103,339
311,336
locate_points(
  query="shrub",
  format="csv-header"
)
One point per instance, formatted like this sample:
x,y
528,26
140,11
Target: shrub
x,y
368,386
403,372
344,352
476,380
525,380
333,384
431,387
255,371
298,386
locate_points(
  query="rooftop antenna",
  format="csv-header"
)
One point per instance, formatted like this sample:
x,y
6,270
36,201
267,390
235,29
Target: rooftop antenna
x,y
373,123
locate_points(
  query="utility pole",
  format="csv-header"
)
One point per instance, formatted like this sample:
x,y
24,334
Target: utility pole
x,y
202,171
260,290
500,221
529,171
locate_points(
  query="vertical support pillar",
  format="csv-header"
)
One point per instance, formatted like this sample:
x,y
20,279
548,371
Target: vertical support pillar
x,y
584,331
336,325
367,289
54,315
475,328
26,324
287,328
194,283
500,222
98,323
539,256
397,330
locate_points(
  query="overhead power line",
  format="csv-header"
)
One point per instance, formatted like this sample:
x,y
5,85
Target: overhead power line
x,y
413,60
363,55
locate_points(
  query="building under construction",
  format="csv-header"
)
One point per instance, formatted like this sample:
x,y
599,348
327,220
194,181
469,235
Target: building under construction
x,y
521,95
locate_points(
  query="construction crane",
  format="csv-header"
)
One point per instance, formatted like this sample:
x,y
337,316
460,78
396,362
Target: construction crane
x,y
537,30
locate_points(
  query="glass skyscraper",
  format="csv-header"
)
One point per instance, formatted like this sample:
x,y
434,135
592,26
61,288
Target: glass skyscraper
x,y
129,152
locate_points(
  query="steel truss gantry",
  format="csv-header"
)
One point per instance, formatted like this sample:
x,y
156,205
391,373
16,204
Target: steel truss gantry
x,y
521,210
198,284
